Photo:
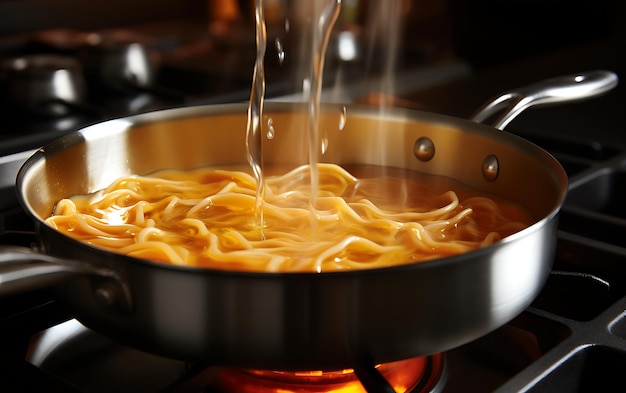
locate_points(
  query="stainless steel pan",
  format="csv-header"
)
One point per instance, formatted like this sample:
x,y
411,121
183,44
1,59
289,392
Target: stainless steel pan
x,y
299,320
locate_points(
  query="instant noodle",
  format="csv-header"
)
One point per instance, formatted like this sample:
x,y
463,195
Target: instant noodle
x,y
206,218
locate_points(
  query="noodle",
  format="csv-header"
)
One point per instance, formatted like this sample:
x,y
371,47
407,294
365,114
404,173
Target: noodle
x,y
206,218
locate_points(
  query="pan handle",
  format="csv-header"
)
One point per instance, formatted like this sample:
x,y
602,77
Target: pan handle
x,y
555,90
23,269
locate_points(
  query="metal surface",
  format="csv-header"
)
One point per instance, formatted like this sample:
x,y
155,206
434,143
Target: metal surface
x,y
301,320
44,84
556,90
117,64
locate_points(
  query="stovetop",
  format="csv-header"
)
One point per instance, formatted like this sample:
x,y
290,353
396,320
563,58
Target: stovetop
x,y
571,339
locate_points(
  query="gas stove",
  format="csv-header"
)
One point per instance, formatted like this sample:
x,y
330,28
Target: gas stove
x,y
571,339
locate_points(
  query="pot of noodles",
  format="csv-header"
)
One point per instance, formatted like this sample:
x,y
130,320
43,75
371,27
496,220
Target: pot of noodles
x,y
414,232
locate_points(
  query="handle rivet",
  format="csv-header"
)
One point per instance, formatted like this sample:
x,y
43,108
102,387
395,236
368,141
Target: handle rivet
x,y
105,296
424,149
491,167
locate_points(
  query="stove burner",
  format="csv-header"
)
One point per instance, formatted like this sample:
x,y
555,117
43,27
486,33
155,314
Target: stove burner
x,y
421,374
91,362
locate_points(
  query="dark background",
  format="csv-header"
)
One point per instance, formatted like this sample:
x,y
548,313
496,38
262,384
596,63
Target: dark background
x,y
484,32
506,43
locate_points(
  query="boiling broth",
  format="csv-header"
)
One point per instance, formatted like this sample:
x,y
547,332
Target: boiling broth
x,y
365,217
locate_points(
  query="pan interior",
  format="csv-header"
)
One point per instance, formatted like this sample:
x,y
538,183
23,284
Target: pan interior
x,y
198,137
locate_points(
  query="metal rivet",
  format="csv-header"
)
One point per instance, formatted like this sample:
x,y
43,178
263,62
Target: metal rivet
x,y
114,295
105,296
491,167
424,149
